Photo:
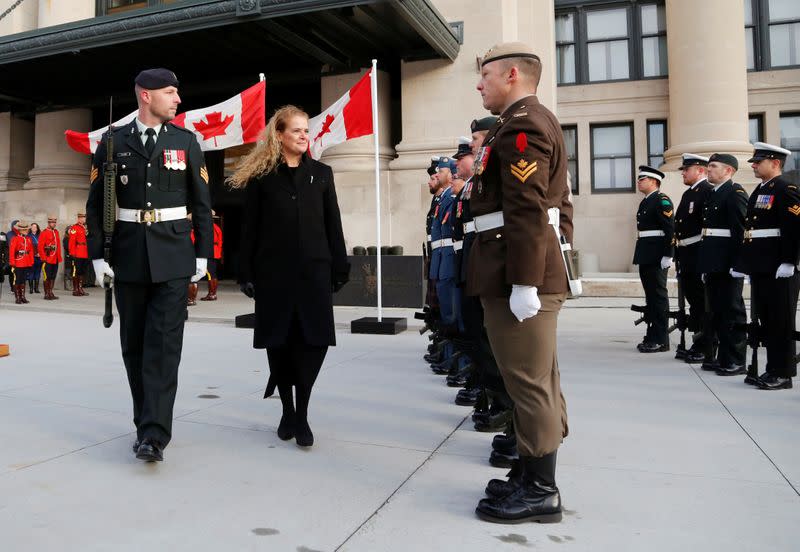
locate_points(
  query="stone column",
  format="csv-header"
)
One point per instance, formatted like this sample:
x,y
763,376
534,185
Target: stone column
x,y
16,151
57,12
56,165
707,79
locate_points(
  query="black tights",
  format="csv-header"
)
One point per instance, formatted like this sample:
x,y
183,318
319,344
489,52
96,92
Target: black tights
x,y
296,363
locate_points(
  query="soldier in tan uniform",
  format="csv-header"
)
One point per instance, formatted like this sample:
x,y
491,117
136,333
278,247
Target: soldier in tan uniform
x,y
520,203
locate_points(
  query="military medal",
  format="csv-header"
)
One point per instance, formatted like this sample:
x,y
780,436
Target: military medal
x,y
764,201
175,159
481,160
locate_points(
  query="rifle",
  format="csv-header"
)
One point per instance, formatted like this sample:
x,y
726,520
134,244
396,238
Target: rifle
x,y
109,212
641,309
681,321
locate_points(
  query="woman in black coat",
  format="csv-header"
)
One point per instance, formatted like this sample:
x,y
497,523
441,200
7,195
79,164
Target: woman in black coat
x,y
293,259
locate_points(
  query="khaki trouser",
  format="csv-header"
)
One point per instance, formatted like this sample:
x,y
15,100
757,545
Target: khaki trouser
x,y
526,353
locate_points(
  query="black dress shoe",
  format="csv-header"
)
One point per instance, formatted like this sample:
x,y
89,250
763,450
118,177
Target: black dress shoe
x,y
710,366
681,353
536,498
694,357
457,380
503,442
303,436
498,488
653,347
136,446
494,423
731,370
150,451
468,396
754,380
286,428
503,458
771,382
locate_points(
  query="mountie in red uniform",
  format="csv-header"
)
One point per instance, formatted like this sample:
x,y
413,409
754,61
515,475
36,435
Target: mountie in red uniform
x,y
50,253
212,268
20,257
79,253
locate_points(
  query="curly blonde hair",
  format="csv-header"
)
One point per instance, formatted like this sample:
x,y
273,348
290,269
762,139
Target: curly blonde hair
x,y
267,154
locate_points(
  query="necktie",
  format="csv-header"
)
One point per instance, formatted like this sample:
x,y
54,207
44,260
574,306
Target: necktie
x,y
150,144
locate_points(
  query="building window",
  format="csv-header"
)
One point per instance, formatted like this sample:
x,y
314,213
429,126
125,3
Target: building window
x,y
784,33
790,139
654,40
565,48
607,45
656,143
756,128
571,145
772,33
612,157
622,42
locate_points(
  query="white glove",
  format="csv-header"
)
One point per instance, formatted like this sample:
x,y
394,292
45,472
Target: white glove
x,y
786,270
200,270
703,277
524,301
736,274
102,269
666,262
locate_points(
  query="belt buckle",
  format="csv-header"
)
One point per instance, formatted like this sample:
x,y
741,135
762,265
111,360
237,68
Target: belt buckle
x,y
748,235
147,215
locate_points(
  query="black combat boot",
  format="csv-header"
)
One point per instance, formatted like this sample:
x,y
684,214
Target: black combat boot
x,y
536,498
498,488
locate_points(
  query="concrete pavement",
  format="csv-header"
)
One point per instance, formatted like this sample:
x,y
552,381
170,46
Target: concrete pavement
x,y
661,456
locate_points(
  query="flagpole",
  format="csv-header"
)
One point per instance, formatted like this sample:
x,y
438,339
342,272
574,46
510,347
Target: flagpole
x,y
374,79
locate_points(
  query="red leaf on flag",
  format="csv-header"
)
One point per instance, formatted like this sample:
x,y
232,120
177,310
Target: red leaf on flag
x,y
326,126
213,125
522,142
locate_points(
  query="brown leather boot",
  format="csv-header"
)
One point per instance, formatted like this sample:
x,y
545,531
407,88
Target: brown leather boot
x,y
76,286
80,285
192,295
46,288
17,297
22,294
52,286
212,291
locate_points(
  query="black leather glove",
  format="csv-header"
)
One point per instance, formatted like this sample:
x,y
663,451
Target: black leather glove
x,y
248,289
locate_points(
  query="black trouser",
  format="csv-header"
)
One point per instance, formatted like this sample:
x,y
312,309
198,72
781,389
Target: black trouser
x,y
50,272
727,317
694,293
19,275
211,270
79,267
775,301
654,282
295,363
151,318
481,354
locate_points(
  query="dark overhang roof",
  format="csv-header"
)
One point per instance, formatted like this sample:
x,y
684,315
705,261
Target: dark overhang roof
x,y
289,40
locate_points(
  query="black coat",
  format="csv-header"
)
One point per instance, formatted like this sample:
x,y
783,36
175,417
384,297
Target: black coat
x,y
725,209
655,213
773,204
292,251
161,251
689,223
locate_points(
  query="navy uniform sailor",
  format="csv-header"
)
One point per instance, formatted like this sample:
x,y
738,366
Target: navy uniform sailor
x,y
769,254
688,234
160,172
655,226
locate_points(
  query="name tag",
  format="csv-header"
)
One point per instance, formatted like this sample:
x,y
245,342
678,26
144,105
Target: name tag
x,y
175,159
123,154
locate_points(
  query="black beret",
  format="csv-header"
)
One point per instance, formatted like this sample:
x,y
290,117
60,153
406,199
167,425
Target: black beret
x,y
726,158
153,79
479,125
433,166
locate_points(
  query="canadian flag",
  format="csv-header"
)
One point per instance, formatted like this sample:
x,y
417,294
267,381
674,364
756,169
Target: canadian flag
x,y
237,120
349,117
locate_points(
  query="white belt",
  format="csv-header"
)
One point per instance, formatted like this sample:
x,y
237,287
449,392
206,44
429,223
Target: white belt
x,y
469,227
457,245
690,241
717,232
651,234
441,243
763,233
489,221
151,215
